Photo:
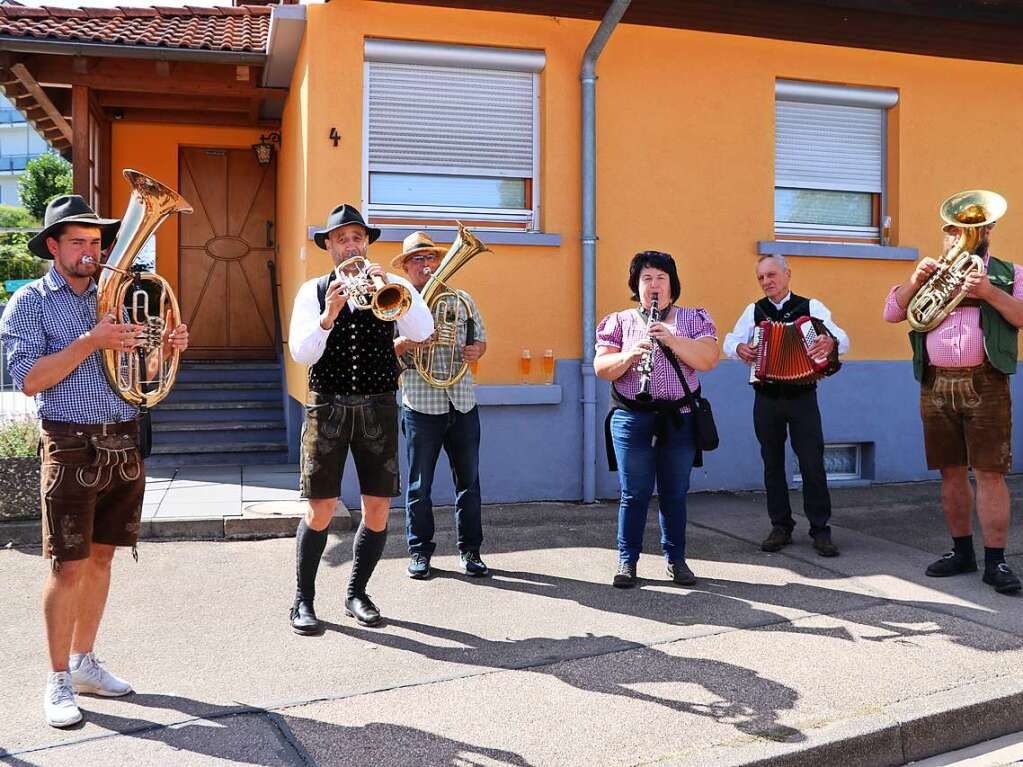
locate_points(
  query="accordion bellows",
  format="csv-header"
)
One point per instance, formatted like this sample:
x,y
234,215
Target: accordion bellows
x,y
782,352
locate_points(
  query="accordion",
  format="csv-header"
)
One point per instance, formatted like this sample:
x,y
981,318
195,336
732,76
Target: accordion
x,y
782,353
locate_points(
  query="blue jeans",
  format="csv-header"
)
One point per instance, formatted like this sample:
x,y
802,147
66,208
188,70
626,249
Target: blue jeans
x,y
640,465
459,435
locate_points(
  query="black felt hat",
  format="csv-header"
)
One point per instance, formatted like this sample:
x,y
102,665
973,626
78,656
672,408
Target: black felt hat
x,y
72,209
343,215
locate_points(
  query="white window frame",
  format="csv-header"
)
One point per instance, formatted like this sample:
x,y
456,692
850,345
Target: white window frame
x,y
466,56
881,99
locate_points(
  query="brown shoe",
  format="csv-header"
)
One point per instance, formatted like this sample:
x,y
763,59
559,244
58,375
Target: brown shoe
x,y
778,538
822,543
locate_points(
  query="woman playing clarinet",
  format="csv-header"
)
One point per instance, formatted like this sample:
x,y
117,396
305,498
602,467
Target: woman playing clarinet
x,y
653,441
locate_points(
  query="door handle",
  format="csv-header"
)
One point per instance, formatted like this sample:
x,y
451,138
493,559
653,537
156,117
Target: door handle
x,y
269,234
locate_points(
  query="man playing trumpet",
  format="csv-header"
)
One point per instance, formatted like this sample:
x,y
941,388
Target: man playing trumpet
x,y
433,417
353,377
963,365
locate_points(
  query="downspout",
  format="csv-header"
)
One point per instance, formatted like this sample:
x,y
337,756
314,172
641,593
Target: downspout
x,y
588,75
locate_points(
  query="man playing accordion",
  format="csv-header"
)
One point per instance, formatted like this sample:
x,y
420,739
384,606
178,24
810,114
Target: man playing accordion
x,y
781,408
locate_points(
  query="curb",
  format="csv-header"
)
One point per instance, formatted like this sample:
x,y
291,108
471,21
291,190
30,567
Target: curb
x,y
901,733
239,528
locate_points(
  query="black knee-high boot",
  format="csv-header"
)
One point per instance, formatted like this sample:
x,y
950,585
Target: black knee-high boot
x,y
366,552
309,546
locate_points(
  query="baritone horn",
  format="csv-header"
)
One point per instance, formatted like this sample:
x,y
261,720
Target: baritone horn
x,y
145,374
439,362
387,300
970,211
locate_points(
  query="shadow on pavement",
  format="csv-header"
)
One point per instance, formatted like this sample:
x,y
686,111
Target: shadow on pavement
x,y
289,739
749,702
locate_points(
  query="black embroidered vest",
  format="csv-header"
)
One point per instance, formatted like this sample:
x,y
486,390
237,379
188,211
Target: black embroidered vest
x,y
359,356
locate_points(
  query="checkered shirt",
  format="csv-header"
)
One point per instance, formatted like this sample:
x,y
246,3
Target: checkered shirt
x,y
418,395
958,342
45,317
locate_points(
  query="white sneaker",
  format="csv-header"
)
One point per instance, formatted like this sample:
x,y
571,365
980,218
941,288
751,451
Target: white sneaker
x,y
91,677
59,705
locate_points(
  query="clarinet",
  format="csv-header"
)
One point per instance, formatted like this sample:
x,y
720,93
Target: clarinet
x,y
645,367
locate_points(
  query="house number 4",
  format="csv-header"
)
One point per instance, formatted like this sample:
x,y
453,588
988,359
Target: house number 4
x,y
334,136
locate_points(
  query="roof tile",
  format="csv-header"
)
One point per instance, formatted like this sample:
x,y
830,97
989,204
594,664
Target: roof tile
x,y
243,29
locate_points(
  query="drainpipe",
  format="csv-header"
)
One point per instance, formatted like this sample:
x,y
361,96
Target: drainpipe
x,y
588,75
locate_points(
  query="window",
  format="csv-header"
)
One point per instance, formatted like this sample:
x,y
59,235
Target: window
x,y
829,170
841,461
451,132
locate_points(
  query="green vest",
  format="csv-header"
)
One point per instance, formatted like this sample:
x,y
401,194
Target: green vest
x,y
1000,337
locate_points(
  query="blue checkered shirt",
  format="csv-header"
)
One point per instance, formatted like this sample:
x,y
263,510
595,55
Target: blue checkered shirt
x,y
42,318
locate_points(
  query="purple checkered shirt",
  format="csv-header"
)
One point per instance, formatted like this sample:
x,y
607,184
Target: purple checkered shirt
x,y
623,330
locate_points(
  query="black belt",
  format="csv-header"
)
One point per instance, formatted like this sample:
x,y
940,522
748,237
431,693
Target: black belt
x,y
75,429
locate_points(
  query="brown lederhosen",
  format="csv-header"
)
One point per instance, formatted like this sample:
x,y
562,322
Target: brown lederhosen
x,y
91,486
967,418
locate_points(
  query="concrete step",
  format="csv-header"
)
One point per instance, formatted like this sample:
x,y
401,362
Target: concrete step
x,y
194,434
211,391
231,457
229,372
220,410
220,447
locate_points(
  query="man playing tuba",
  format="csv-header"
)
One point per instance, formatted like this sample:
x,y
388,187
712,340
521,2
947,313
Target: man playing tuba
x,y
963,365
435,416
92,474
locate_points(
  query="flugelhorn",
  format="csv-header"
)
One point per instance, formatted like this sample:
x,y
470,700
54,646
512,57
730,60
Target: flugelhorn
x,y
438,362
970,211
387,300
144,375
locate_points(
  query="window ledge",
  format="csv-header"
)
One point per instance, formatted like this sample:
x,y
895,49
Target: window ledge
x,y
518,394
446,235
834,250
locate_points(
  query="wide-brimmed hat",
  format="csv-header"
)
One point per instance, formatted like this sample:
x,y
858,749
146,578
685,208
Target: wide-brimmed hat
x,y
343,215
417,242
72,209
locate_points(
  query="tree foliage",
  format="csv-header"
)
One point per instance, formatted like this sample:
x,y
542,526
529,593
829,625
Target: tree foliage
x,y
45,177
16,262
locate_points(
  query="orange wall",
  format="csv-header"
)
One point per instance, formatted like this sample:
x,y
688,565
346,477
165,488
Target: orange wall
x,y
153,149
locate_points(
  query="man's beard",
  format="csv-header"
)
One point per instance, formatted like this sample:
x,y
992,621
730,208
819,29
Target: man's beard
x,y
982,247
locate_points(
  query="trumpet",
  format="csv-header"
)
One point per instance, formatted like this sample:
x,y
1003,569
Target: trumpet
x,y
645,367
387,301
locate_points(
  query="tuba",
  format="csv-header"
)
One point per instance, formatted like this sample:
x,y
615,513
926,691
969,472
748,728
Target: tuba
x,y
943,290
435,362
144,375
387,301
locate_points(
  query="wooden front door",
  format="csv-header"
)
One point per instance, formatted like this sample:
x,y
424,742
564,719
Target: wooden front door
x,y
224,245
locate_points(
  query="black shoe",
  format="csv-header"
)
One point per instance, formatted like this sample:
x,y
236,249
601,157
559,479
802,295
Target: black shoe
x,y
823,545
1001,578
951,564
680,573
419,566
361,608
473,565
625,576
777,538
304,620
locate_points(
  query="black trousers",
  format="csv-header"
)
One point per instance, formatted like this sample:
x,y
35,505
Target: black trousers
x,y
776,418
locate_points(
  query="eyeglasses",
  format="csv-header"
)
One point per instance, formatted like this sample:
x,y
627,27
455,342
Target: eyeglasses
x,y
422,259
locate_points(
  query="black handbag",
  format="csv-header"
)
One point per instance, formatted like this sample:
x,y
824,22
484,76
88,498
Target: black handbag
x,y
703,416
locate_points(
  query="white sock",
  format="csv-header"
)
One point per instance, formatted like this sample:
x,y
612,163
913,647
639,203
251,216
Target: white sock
x,y
76,660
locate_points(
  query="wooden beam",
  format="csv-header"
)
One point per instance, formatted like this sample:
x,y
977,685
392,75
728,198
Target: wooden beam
x,y
80,141
30,84
195,118
189,79
128,100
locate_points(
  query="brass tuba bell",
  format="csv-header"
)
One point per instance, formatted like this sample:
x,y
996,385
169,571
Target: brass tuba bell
x,y
144,375
436,362
970,211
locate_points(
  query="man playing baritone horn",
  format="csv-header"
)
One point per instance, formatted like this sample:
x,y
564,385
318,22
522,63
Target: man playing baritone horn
x,y
433,417
963,366
785,408
92,476
353,377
